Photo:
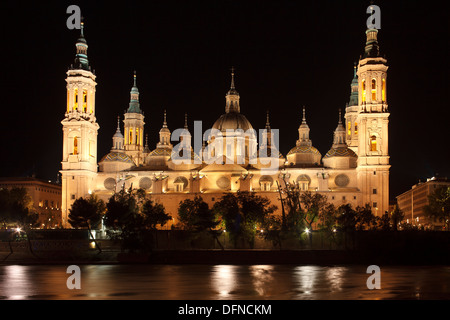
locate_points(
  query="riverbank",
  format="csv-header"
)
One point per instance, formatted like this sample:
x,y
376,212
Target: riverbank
x,y
234,257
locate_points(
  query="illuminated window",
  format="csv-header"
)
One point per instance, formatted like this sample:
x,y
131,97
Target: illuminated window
x,y
265,186
137,136
349,126
84,100
383,90
130,136
356,128
75,145
373,143
75,105
374,89
363,88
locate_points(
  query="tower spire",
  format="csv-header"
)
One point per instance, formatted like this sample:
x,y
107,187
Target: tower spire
x,y
134,106
81,58
303,132
304,115
232,79
267,121
165,119
232,96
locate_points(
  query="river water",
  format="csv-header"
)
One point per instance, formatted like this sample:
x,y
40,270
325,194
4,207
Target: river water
x,y
227,282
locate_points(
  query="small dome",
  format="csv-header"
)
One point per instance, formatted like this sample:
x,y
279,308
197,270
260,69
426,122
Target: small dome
x,y
341,152
232,121
304,149
117,156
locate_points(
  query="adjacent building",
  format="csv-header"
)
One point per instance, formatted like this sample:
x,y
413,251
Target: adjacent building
x,y
46,197
413,201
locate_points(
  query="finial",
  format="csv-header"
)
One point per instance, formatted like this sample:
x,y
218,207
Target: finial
x,y
146,140
304,115
165,119
340,116
82,26
267,119
232,77
185,121
118,122
134,77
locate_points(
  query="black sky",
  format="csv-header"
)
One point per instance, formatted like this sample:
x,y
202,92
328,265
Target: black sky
x,y
286,53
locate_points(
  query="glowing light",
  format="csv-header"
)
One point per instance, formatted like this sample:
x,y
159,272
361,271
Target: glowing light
x,y
307,230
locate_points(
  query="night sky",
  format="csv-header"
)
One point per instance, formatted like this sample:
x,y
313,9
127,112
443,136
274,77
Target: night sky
x,y
286,53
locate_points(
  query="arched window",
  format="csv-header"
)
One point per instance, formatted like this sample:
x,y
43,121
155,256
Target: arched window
x,y
349,126
130,136
374,89
356,128
363,88
137,136
75,145
383,91
373,143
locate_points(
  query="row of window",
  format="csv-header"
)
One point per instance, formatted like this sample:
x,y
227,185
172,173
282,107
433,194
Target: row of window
x,y
75,147
45,204
47,190
374,90
76,101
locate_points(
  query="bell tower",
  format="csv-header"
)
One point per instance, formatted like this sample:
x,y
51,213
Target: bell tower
x,y
372,120
80,129
134,127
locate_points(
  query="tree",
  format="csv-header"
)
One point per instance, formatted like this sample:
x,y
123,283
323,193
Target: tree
x,y
243,214
294,222
16,208
87,213
439,205
346,218
195,215
384,222
312,204
397,216
123,219
365,219
154,214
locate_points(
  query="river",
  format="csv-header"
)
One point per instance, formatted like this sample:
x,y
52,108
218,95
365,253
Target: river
x,y
226,282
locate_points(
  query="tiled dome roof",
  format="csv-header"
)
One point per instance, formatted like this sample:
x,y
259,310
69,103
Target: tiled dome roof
x,y
304,149
117,156
160,152
340,152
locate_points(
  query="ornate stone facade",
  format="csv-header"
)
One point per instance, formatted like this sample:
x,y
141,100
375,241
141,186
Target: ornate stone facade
x,y
355,170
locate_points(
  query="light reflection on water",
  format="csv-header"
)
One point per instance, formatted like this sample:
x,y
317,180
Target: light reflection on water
x,y
230,282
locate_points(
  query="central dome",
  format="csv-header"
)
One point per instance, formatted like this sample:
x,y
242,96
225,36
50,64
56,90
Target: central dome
x,y
232,121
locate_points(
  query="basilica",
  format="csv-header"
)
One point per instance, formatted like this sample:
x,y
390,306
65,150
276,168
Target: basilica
x,y
354,170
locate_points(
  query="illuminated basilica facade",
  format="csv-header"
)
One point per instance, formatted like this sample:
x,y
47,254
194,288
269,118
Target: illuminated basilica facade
x,y
354,170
